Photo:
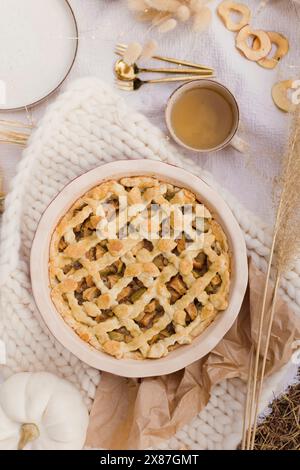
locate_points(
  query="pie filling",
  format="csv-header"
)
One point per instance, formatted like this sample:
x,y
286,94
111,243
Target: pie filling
x,y
139,267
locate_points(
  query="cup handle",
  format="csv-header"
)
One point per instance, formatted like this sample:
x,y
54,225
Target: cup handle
x,y
239,144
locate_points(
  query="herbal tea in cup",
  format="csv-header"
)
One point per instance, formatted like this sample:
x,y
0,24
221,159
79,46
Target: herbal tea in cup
x,y
203,116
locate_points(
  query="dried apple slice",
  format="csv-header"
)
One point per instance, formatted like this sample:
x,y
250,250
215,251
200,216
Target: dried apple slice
x,y
280,95
282,48
226,8
244,35
296,93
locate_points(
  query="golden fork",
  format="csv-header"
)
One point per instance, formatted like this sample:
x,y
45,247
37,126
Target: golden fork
x,y
136,83
121,48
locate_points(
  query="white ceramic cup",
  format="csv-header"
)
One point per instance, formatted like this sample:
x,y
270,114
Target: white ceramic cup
x,y
232,139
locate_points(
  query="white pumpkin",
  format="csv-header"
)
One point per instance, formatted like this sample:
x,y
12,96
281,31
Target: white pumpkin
x,y
40,411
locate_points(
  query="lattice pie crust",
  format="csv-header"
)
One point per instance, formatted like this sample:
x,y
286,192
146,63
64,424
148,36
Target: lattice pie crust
x,y
140,296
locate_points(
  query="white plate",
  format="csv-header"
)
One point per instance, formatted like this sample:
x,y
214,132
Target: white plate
x,y
180,357
38,46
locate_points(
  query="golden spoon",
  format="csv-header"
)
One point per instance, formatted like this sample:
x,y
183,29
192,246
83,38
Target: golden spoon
x,y
136,83
128,72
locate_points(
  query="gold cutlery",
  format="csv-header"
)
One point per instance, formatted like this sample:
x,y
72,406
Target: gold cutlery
x,y
128,72
121,48
136,83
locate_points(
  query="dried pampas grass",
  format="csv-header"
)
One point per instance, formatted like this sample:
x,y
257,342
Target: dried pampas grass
x,y
135,51
132,53
202,19
287,246
166,14
183,13
167,25
285,251
149,49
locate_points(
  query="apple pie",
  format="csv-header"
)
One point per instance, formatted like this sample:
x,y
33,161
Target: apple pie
x,y
139,267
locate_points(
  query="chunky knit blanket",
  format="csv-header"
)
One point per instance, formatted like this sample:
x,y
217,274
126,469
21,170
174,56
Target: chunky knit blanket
x,y
87,126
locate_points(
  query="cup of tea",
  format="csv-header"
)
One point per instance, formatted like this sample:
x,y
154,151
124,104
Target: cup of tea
x,y
203,116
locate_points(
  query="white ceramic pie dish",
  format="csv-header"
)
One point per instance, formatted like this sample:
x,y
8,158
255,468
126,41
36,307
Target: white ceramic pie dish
x,y
180,357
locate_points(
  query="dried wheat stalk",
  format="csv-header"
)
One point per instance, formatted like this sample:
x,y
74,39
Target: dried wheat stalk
x,y
284,252
12,132
2,195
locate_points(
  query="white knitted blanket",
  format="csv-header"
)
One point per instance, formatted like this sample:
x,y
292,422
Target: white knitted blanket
x,y
89,125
